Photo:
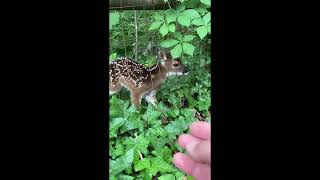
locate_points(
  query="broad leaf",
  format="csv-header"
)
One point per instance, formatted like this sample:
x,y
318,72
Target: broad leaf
x,y
167,177
155,25
168,43
176,51
202,31
112,57
152,115
139,144
206,2
198,22
164,29
191,13
125,177
180,8
113,19
188,48
115,124
158,17
172,27
140,165
178,35
188,38
184,20
207,18
121,163
171,15
133,122
159,165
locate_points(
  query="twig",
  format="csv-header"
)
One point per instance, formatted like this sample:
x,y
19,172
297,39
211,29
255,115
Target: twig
x,y
136,34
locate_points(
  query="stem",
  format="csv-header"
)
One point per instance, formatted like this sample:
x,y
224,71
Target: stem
x,y
136,34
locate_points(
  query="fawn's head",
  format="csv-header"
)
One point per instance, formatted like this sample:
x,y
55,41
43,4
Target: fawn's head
x,y
171,66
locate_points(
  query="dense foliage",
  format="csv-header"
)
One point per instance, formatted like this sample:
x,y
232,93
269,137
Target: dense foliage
x,y
142,142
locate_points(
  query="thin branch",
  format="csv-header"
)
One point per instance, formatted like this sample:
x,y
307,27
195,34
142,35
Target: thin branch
x,y
136,34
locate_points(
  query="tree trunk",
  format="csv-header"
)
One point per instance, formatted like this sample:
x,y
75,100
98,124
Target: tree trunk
x,y
141,4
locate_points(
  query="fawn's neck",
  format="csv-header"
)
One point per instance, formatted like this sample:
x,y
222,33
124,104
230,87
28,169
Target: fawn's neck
x,y
158,73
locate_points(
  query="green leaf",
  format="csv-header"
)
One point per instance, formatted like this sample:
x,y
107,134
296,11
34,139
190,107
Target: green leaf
x,y
202,9
167,177
117,107
158,17
151,115
121,163
174,128
171,15
160,142
184,20
191,13
176,51
164,153
178,35
115,124
207,18
180,175
146,175
206,2
204,103
172,27
174,99
180,8
188,38
155,25
160,131
202,31
112,57
139,144
198,22
159,165
188,114
188,48
113,19
209,28
133,122
140,165
168,43
125,177
174,112
164,29
119,150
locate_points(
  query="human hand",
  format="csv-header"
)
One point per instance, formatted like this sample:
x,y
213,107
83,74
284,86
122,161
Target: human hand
x,y
198,147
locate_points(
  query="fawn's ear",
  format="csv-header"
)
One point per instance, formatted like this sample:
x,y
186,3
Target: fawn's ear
x,y
162,56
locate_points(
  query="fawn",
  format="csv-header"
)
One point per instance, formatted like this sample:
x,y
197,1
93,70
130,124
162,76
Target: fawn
x,y
142,82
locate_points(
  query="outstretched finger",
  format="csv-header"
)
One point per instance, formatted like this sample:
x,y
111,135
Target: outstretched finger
x,y
192,168
201,130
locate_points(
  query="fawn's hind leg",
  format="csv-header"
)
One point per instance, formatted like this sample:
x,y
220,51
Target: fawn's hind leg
x,y
136,99
114,88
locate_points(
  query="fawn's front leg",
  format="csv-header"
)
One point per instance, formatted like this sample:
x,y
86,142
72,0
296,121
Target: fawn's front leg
x,y
151,98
